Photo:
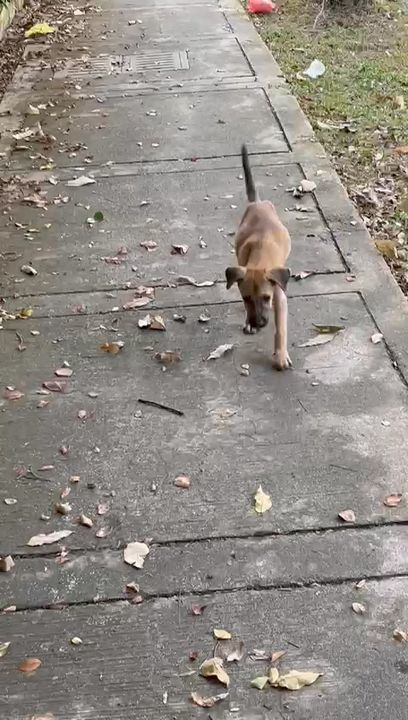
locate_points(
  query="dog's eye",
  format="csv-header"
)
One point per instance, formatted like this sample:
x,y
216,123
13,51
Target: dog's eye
x,y
266,298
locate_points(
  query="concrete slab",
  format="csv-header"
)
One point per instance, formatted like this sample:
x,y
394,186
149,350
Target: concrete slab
x,y
185,568
183,60
320,439
159,127
132,654
181,208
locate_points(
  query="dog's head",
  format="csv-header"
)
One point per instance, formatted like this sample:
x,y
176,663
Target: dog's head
x,y
256,288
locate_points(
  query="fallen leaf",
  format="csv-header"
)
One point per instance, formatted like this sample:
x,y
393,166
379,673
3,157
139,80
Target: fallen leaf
x,y
179,318
273,675
135,554
63,372
387,249
302,275
262,501
82,414
259,682
400,635
29,270
10,501
11,394
98,217
360,584
182,481
149,245
222,634
307,186
187,280
76,641
39,29
213,668
102,509
376,338
168,357
358,608
57,386
207,702
136,303
220,351
277,655
133,587
85,521
9,609
30,665
145,321
393,500
74,479
318,340
6,563
81,181
157,323
179,249
24,313
103,532
204,318
296,679
347,515
3,648
112,347
198,609
328,329
63,508
48,539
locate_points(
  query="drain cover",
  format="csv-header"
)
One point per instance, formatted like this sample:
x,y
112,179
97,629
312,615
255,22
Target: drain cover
x,y
116,64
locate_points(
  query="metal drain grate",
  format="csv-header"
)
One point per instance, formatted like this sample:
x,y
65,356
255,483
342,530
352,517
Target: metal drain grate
x,y
117,64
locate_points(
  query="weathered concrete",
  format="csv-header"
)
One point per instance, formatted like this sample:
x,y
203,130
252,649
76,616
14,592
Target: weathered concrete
x,y
328,436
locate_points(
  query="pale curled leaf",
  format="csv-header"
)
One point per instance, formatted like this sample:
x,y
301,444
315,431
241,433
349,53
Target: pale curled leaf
x,y
81,181
222,634
277,655
207,702
212,668
63,372
220,351
29,665
182,481
358,608
376,338
135,554
273,675
262,501
48,539
393,500
400,635
137,302
317,340
168,357
4,648
12,394
187,280
296,679
6,563
347,515
259,682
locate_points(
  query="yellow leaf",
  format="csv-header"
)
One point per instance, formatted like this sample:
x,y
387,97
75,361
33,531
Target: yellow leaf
x,y
222,634
213,668
273,675
386,248
25,313
296,679
39,29
259,682
263,501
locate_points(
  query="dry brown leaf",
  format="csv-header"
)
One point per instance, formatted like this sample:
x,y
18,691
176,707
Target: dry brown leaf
x,y
12,394
393,500
135,554
400,635
137,302
132,587
358,608
182,481
220,351
64,372
168,357
112,347
347,515
63,508
207,702
149,245
29,665
277,655
86,521
157,323
57,386
387,249
259,682
48,539
212,668
179,249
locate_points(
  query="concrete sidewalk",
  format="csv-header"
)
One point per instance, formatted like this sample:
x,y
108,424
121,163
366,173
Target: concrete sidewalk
x,y
152,102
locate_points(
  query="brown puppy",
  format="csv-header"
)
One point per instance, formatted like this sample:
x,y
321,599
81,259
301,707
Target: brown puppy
x,y
262,246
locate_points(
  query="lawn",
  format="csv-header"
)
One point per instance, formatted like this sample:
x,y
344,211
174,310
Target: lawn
x,y
359,107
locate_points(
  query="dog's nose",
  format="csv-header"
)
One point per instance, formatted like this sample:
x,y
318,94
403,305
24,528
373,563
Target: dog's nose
x,y
262,322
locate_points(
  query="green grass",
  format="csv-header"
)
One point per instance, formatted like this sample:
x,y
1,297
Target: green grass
x,y
366,82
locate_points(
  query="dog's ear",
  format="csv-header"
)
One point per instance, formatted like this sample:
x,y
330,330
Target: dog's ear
x,y
280,276
233,275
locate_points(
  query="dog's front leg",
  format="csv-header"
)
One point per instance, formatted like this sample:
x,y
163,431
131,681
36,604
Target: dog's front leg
x,y
281,359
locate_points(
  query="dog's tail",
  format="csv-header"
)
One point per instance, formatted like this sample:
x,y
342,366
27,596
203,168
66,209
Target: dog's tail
x,y
251,192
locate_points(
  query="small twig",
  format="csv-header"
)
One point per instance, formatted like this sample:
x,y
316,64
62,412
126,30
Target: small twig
x,y
319,14
152,403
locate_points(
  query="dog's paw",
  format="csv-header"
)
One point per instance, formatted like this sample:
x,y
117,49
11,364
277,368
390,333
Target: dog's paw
x,y
281,360
248,329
